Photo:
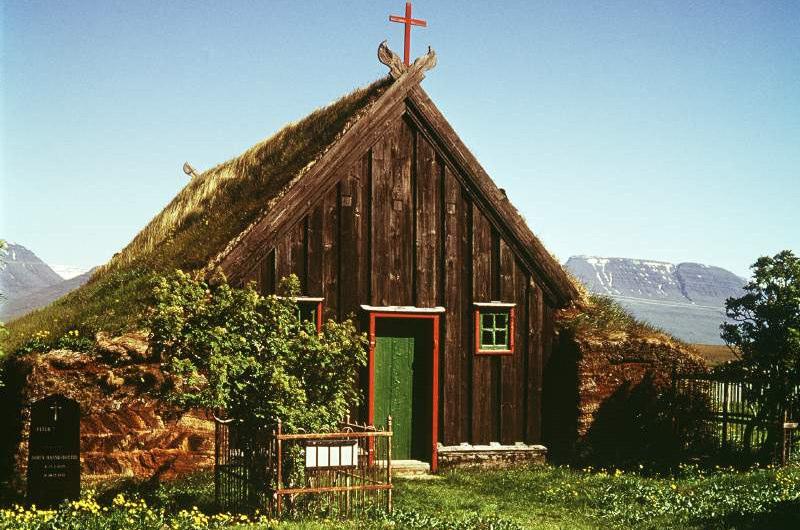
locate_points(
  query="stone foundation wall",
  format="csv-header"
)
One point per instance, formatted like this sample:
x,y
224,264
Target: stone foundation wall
x,y
493,455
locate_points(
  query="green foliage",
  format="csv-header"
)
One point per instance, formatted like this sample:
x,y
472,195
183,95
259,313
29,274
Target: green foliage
x,y
42,341
560,497
123,513
766,335
251,357
3,336
714,499
500,499
184,493
73,340
38,342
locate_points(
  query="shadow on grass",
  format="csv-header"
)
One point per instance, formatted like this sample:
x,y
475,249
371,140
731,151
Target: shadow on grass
x,y
783,516
196,489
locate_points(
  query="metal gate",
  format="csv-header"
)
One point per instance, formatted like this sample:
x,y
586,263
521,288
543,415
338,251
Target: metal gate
x,y
242,479
338,473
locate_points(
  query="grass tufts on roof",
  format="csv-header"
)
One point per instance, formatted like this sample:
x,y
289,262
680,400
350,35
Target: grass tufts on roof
x,y
202,219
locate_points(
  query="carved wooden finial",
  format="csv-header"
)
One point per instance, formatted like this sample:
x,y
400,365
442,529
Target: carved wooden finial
x,y
189,170
396,65
427,61
391,59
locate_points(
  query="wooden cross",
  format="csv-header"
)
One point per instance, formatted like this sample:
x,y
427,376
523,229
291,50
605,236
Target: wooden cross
x,y
408,21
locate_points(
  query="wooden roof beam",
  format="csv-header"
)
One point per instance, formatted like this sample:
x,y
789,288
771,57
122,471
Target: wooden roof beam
x,y
301,194
551,275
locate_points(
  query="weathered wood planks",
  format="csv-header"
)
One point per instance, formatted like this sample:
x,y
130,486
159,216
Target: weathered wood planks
x,y
457,355
427,209
392,218
483,190
485,406
399,226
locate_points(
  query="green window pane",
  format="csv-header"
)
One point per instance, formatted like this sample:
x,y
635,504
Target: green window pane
x,y
495,330
307,312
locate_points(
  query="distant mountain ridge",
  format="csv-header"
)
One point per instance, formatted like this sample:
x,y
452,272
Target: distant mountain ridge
x,y
23,271
687,299
28,283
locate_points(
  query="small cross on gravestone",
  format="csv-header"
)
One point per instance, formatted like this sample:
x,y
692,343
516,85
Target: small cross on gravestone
x,y
54,460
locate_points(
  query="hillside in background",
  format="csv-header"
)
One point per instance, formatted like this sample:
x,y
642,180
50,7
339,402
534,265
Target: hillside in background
x,y
28,283
687,299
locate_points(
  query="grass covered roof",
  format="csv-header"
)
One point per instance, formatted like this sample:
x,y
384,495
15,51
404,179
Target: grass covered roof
x,y
199,223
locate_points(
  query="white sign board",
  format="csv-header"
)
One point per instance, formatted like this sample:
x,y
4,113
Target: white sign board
x,y
332,454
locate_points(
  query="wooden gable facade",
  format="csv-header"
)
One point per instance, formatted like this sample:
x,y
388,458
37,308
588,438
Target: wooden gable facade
x,y
399,227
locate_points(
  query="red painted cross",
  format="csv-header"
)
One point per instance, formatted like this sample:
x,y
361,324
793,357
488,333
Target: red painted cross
x,y
408,21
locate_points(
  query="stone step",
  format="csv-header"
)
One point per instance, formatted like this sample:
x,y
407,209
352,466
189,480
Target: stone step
x,y
410,468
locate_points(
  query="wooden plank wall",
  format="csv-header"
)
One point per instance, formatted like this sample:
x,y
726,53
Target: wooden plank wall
x,y
399,228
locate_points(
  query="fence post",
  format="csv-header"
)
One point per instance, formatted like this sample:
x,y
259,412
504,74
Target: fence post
x,y
216,466
389,464
725,413
279,484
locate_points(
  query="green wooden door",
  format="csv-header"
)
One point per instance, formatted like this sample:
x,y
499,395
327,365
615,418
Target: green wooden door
x,y
394,390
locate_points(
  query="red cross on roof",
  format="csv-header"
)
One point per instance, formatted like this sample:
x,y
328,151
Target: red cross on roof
x,y
408,21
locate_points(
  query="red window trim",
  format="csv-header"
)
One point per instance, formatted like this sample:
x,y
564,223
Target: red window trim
x,y
310,300
319,316
511,328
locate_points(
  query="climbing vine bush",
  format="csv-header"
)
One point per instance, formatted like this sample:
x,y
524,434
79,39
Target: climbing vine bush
x,y
251,356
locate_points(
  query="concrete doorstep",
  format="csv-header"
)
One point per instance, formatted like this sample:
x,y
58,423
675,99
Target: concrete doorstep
x,y
410,468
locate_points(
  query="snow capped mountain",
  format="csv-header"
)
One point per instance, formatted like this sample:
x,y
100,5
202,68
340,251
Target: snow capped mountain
x,y
627,277
67,272
28,283
686,299
23,271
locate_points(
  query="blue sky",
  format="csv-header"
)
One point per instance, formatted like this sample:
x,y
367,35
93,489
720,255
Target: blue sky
x,y
659,130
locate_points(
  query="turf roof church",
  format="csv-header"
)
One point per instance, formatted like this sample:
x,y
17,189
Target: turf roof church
x,y
391,219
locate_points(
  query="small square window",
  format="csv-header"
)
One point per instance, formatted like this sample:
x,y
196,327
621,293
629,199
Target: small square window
x,y
494,328
310,310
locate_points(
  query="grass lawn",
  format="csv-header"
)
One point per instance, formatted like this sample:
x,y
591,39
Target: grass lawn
x,y
539,497
563,498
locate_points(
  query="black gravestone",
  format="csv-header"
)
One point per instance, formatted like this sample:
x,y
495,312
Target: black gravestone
x,y
54,460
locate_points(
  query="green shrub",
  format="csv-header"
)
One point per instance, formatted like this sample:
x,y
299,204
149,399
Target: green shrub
x,y
73,340
252,357
39,341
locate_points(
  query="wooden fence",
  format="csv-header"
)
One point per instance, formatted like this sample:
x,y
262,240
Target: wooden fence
x,y
735,424
341,473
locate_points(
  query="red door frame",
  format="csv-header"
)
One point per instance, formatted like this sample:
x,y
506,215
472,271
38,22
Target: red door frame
x,y
373,316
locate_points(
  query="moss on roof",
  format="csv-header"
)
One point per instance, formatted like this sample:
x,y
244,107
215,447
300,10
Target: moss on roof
x,y
221,202
601,321
209,212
